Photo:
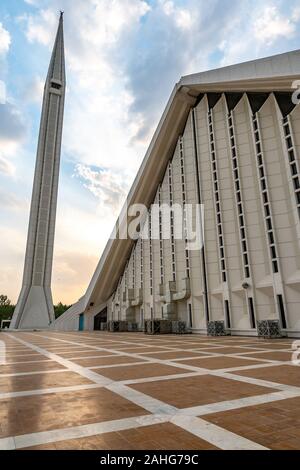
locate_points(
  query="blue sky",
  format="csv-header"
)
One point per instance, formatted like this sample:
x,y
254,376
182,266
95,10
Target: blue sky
x,y
123,58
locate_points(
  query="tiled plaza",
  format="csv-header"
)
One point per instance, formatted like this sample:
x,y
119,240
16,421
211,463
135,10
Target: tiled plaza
x,y
107,391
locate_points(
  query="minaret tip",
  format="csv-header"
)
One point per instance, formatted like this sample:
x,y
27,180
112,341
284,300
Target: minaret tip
x,y
61,14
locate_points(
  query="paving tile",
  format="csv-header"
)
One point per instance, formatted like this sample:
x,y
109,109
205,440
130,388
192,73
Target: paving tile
x,y
27,414
201,390
275,425
41,381
173,355
85,353
31,367
144,350
140,371
285,374
273,356
23,415
185,346
227,350
219,362
25,358
159,436
102,361
273,346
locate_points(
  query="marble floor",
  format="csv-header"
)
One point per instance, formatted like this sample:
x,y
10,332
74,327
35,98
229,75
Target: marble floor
x,y
98,390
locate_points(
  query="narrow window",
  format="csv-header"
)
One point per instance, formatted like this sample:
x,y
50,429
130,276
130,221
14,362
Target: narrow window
x,y
227,313
190,316
282,312
275,266
252,315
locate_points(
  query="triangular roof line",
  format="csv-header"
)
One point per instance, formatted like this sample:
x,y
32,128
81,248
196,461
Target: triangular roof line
x,y
285,102
212,99
232,100
257,100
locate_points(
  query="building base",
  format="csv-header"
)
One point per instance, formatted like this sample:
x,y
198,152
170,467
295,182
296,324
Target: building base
x,y
33,310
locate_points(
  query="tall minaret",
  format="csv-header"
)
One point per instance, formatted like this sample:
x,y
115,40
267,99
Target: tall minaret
x,y
35,307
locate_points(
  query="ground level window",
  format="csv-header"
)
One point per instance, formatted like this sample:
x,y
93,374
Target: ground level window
x,y
190,316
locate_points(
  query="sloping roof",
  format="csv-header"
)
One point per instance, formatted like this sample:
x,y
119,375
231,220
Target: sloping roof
x,y
263,75
69,319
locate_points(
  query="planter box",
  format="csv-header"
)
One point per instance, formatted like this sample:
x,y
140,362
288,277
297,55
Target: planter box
x,y
114,326
179,327
216,328
158,327
269,329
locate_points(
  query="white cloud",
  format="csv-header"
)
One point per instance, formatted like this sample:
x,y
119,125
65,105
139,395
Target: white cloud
x,y
182,17
296,14
5,40
2,92
41,30
33,90
10,201
109,187
11,255
12,133
272,24
256,32
6,167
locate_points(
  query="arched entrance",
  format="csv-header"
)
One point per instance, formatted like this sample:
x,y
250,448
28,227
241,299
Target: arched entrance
x,y
101,317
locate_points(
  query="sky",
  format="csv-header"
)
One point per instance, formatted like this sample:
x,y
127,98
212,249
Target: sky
x,y
123,57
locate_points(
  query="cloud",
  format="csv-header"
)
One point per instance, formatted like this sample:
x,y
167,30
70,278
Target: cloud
x,y
175,41
6,167
32,91
296,14
12,126
272,24
32,2
182,17
123,58
260,30
12,133
10,201
110,188
42,30
12,256
5,40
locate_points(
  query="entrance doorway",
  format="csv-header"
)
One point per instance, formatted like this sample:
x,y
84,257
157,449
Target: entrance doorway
x,y
81,322
101,317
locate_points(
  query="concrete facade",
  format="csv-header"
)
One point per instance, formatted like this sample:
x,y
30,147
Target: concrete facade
x,y
35,306
230,140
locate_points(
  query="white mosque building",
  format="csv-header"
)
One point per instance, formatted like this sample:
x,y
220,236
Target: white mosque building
x,y
229,139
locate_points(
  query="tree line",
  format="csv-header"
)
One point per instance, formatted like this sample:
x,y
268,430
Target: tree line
x,y
7,308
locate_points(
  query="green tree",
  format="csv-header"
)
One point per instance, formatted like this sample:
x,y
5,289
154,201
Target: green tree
x,y
60,308
6,308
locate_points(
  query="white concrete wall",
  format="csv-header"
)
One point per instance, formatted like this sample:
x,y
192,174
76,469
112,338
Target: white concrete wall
x,y
264,285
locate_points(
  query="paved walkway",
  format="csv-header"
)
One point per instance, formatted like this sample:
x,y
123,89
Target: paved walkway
x,y
102,390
